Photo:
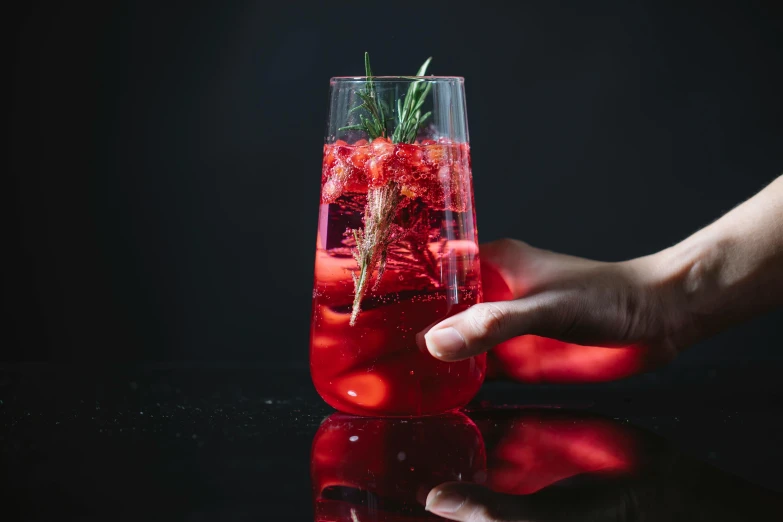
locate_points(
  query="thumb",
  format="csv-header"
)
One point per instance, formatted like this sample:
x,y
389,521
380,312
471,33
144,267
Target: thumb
x,y
468,502
475,330
485,325
593,500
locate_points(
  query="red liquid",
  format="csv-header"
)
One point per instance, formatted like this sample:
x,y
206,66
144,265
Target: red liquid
x,y
377,469
375,367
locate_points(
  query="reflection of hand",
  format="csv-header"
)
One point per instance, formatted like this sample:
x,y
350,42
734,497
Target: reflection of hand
x,y
553,466
646,309
531,449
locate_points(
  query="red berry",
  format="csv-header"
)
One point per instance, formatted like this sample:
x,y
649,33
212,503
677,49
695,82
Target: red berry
x,y
411,155
381,146
436,171
359,157
436,154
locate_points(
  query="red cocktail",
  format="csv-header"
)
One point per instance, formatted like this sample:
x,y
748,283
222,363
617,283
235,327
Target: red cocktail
x,y
396,252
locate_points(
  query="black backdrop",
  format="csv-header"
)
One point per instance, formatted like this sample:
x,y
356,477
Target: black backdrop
x,y
164,160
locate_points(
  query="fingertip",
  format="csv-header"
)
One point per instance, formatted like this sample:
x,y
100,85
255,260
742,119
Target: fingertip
x,y
430,497
446,344
464,501
444,501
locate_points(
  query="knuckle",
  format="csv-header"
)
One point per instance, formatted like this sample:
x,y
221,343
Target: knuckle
x,y
507,244
487,319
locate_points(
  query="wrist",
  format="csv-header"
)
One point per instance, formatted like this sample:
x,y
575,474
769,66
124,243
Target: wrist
x,y
693,282
678,285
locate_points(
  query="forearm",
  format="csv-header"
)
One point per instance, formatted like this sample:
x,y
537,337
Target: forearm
x,y
727,272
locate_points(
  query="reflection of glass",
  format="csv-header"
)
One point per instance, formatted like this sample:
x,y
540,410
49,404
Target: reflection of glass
x,y
372,469
396,248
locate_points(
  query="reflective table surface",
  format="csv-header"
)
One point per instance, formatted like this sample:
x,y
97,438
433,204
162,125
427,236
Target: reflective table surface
x,y
229,443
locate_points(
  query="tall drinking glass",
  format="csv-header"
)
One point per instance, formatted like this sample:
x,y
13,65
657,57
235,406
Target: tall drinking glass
x,y
397,249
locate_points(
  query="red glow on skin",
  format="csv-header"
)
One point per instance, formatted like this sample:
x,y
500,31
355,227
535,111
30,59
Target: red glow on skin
x,y
531,358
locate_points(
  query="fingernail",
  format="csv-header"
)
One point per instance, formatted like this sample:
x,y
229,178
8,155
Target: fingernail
x,y
444,342
445,502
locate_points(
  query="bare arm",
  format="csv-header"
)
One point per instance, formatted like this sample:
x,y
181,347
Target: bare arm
x,y
727,272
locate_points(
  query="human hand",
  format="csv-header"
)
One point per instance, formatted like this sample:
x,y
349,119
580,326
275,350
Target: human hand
x,y
610,318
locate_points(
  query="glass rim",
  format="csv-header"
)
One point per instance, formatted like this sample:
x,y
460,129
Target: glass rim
x,y
459,79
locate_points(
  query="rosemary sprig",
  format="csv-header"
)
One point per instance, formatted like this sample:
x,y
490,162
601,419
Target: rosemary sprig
x,y
375,123
409,115
373,241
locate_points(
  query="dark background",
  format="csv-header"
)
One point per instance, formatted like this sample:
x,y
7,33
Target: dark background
x,y
164,160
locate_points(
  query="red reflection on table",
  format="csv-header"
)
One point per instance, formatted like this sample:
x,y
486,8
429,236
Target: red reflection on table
x,y
531,358
381,469
531,449
373,469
